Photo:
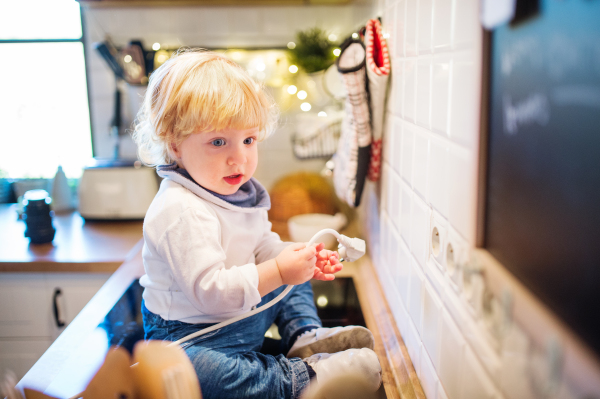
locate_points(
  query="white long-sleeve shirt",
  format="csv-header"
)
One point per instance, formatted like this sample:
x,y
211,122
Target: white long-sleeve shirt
x,y
200,253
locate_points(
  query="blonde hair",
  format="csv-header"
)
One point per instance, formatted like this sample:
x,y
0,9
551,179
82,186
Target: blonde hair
x,y
195,91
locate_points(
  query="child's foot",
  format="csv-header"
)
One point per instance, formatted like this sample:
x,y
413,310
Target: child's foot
x,y
329,366
331,340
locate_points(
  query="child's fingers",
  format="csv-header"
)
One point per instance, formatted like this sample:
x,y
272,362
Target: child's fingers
x,y
319,246
330,269
323,276
309,252
297,246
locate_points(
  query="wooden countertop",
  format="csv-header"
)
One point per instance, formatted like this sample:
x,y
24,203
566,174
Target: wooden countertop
x,y
75,355
79,245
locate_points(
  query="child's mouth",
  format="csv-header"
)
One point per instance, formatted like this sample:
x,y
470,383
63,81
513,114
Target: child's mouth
x,y
233,179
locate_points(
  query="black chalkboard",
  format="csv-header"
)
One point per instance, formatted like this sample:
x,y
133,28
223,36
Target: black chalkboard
x,y
542,211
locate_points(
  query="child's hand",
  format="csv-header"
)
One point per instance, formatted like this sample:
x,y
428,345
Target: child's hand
x,y
296,263
327,264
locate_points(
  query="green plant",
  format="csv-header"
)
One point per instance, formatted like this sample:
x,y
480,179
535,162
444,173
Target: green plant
x,y
313,51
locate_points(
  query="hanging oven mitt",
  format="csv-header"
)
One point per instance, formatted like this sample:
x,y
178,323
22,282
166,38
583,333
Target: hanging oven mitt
x,y
378,72
352,156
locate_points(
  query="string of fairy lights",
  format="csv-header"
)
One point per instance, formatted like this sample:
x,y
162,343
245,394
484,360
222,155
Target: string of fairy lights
x,y
269,67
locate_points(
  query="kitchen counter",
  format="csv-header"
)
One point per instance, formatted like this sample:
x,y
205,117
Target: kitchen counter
x,y
71,361
79,245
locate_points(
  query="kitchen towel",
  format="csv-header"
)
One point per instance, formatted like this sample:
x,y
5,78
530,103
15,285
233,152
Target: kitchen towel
x,y
352,156
378,72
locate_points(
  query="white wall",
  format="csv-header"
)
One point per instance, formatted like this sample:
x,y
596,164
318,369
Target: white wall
x,y
431,148
213,27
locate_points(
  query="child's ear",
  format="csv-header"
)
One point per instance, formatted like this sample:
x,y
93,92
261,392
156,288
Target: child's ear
x,y
174,150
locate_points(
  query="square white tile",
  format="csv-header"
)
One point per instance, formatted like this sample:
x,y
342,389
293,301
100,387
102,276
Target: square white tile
x,y
451,356
428,377
466,28
408,142
465,98
396,200
475,383
420,230
398,146
432,315
415,296
400,28
413,344
442,25
397,85
421,163
410,89
403,268
425,26
410,42
423,99
440,90
406,213
438,175
441,394
462,191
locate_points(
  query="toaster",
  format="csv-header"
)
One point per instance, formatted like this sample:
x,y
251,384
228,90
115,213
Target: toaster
x,y
116,190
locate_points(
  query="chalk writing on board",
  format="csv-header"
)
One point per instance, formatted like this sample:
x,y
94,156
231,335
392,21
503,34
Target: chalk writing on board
x,y
535,108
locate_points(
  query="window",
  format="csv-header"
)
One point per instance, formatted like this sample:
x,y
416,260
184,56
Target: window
x,y
44,108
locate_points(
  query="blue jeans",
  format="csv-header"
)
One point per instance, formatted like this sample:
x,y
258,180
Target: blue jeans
x,y
228,361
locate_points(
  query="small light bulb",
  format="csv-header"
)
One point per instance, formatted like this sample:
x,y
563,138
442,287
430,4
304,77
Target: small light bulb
x,y
302,94
291,45
156,46
322,113
332,37
260,66
292,89
127,59
162,58
305,107
322,301
386,35
337,52
355,35
293,69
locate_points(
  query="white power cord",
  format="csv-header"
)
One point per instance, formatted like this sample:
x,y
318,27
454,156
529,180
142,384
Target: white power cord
x,y
350,249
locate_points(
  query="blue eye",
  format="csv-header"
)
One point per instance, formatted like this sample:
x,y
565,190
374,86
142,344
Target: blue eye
x,y
249,140
218,142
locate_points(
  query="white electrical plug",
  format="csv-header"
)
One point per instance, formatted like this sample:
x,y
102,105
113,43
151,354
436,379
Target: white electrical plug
x,y
351,249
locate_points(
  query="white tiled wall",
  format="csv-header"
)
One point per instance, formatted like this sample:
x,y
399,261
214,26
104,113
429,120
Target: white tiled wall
x,y
211,27
429,181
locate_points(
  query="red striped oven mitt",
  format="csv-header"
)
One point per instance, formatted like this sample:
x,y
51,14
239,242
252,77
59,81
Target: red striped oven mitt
x,y
378,72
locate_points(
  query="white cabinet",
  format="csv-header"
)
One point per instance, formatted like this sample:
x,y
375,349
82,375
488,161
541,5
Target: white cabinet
x,y
28,322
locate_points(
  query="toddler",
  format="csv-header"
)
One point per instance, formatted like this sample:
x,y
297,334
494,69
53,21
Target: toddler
x,y
209,252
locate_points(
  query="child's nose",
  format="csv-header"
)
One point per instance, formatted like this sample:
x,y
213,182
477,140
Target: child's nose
x,y
237,156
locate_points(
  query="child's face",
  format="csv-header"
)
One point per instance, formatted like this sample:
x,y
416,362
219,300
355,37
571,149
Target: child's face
x,y
220,161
